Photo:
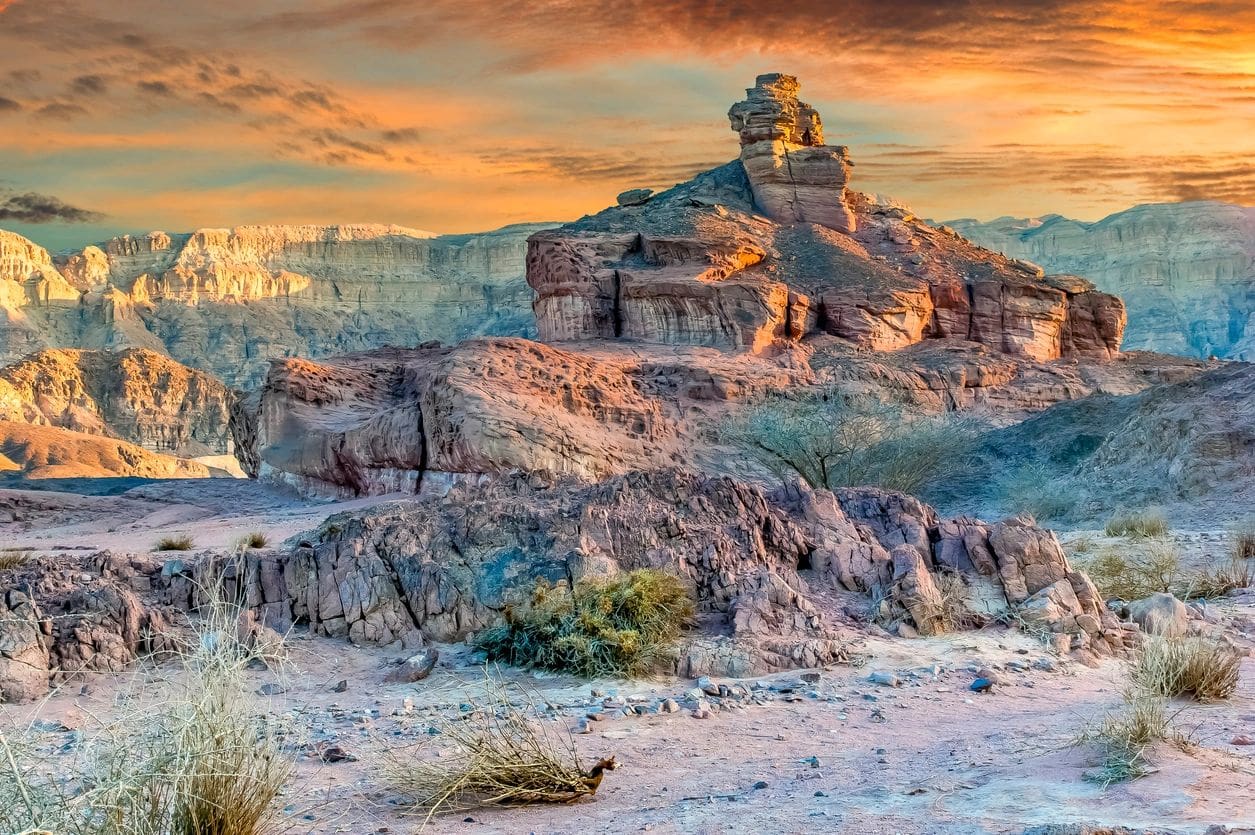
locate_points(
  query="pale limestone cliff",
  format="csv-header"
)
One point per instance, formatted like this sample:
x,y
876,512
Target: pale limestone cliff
x,y
1186,271
227,301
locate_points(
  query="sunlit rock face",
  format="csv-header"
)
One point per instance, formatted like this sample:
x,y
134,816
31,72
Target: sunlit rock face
x,y
135,395
1185,270
773,248
228,300
794,176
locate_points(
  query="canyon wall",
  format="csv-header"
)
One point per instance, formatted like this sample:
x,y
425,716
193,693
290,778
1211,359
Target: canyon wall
x,y
1186,271
228,300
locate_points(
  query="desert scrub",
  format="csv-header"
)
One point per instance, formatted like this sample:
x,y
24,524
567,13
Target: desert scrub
x,y
256,539
834,438
1127,737
175,543
1205,669
1142,524
1244,544
1218,580
11,558
1133,571
623,626
491,753
196,758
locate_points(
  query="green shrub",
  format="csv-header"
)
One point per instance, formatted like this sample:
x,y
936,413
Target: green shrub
x,y
1202,668
621,626
835,438
175,543
1127,737
1142,524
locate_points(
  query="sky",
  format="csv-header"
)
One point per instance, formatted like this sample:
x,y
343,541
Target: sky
x,y
466,115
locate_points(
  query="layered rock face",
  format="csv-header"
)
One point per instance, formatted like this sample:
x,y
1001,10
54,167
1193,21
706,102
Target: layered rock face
x,y
227,301
774,248
1185,270
794,176
135,395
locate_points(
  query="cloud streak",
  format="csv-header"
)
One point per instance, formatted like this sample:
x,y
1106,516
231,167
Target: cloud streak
x,y
32,207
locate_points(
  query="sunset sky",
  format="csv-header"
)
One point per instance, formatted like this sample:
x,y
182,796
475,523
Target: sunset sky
x,y
463,115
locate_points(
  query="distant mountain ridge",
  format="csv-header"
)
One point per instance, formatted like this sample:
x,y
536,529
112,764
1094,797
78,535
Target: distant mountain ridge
x,y
227,301
1186,271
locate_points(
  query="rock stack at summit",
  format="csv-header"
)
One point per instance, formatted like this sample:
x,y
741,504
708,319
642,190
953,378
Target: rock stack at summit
x,y
665,313
794,176
773,248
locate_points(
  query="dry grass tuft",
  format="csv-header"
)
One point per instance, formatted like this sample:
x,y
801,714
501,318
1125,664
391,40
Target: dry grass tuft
x,y
1244,544
1142,524
956,614
256,539
195,761
1127,737
175,543
492,755
11,558
621,626
1133,572
1205,669
1219,580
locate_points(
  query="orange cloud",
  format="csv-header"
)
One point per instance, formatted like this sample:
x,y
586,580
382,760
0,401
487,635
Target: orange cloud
x,y
464,114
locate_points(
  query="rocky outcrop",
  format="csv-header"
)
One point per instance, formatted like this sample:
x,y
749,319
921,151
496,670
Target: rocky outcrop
x,y
774,248
135,395
781,578
794,176
228,300
58,621
373,423
1186,271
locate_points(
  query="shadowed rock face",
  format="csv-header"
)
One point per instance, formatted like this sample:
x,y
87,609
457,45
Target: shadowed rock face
x,y
228,300
774,248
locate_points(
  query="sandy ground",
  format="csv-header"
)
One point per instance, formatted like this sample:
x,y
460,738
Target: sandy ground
x,y
839,754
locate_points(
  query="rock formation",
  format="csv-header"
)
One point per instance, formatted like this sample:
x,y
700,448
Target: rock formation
x,y
793,175
40,452
774,248
1185,270
227,301
134,395
783,578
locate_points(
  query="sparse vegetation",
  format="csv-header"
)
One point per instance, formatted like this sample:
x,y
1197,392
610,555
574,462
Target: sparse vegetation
x,y
194,761
11,558
621,626
175,543
1219,580
1143,524
492,754
1034,488
1205,669
256,539
834,438
1127,737
1134,571
1244,544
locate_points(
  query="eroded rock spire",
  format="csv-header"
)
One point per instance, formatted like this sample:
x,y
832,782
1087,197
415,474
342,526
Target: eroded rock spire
x,y
793,174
